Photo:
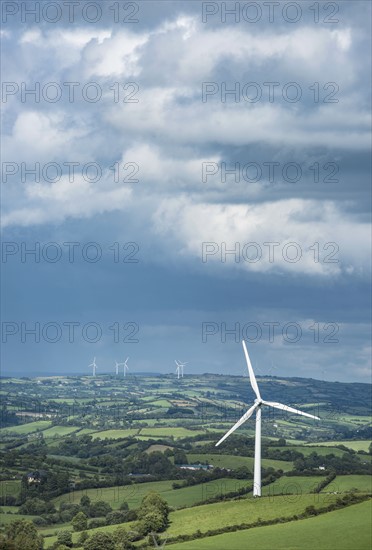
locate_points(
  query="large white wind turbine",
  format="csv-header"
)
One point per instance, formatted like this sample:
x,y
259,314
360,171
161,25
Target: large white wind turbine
x,y
94,367
125,366
179,369
258,402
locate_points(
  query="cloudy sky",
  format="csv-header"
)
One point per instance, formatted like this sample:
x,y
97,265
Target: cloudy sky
x,y
186,178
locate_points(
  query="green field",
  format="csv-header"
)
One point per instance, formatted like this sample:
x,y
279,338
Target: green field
x,y
175,432
345,529
296,485
233,462
132,494
248,510
59,431
177,498
160,403
188,496
50,540
10,487
28,428
361,445
8,518
114,434
343,484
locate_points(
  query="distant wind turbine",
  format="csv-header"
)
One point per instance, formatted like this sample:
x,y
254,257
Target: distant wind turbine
x,y
94,367
179,369
117,365
258,402
125,366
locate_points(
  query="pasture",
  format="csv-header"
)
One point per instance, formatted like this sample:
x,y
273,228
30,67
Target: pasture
x,y
177,498
59,431
296,485
233,462
361,445
343,484
236,512
24,429
345,529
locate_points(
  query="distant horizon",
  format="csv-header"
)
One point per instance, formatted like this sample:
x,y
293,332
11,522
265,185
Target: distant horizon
x,y
172,375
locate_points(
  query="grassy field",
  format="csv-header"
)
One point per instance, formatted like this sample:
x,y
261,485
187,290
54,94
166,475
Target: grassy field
x,y
297,485
8,518
175,432
132,494
361,445
156,448
345,529
114,434
248,510
59,431
28,428
177,498
50,540
231,461
10,487
160,403
188,496
342,484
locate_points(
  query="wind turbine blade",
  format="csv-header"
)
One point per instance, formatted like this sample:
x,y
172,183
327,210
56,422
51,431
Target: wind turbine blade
x,y
252,377
289,409
245,417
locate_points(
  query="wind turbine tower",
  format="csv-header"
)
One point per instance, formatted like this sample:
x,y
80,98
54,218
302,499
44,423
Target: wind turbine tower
x,y
117,365
125,366
256,407
94,367
179,369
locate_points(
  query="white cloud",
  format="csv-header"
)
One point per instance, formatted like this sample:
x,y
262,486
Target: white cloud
x,y
40,136
116,55
65,199
305,222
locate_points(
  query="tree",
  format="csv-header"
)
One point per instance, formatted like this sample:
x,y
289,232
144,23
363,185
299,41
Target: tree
x,y
79,522
6,544
180,457
64,538
100,541
152,521
85,501
153,500
23,534
82,538
153,514
99,509
122,539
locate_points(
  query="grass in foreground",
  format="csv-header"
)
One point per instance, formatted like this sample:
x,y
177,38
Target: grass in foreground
x,y
344,529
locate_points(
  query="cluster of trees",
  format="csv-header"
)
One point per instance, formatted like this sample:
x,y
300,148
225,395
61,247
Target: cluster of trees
x,y
346,464
155,463
237,445
152,517
21,534
101,512
53,483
